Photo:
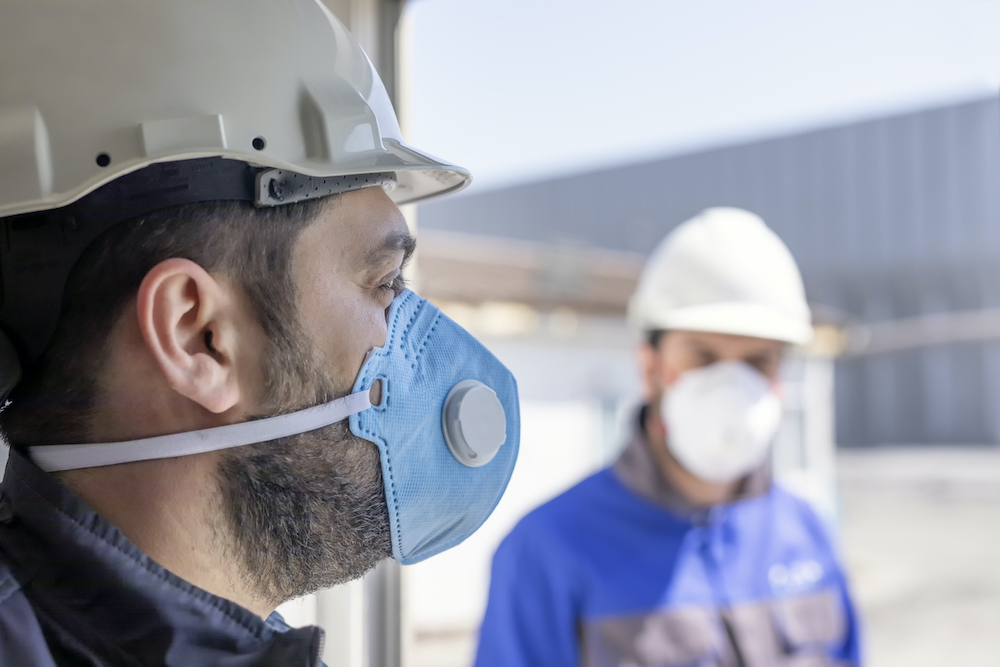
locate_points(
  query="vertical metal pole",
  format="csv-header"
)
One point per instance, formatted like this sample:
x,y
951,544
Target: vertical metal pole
x,y
340,611
819,428
384,615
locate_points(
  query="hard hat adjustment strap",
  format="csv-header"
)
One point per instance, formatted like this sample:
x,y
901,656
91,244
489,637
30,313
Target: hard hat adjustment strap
x,y
277,186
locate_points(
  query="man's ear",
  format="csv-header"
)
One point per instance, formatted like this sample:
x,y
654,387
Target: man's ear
x,y
188,322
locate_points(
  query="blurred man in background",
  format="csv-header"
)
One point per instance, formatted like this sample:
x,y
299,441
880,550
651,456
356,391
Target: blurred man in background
x,y
684,552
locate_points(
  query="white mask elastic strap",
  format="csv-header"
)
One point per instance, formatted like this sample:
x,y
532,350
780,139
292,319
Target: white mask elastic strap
x,y
53,458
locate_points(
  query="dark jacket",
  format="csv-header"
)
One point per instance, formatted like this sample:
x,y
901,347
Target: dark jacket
x,y
75,591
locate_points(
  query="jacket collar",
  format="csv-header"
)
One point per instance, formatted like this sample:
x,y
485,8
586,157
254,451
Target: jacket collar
x,y
639,472
84,575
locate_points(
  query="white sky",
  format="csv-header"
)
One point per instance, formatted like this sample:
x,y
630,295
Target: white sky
x,y
521,89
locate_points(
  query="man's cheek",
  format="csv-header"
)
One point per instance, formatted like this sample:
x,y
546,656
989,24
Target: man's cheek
x,y
373,328
368,333
667,375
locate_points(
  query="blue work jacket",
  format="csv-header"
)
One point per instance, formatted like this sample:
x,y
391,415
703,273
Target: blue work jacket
x,y
75,591
622,571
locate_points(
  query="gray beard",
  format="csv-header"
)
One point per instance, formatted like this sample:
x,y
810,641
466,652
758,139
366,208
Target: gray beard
x,y
305,512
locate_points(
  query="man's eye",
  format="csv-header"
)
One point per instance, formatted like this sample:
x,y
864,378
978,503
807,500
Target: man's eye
x,y
396,285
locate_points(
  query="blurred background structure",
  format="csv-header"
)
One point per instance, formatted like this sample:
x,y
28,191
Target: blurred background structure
x,y
895,222
866,133
891,219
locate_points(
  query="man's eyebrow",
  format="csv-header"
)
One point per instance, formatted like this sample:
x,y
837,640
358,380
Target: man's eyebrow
x,y
391,245
699,346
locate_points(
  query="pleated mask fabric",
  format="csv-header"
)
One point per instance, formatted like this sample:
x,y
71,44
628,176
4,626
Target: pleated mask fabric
x,y
435,502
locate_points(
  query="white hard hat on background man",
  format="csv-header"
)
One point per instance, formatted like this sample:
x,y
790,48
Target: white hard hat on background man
x,y
723,271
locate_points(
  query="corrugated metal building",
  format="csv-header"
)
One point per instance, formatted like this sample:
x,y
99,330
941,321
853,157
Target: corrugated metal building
x,y
889,218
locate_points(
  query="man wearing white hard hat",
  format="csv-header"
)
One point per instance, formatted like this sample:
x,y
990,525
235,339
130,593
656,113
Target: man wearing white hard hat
x,y
218,393
684,552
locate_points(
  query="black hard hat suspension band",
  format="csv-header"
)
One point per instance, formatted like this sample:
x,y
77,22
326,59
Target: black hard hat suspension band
x,y
38,250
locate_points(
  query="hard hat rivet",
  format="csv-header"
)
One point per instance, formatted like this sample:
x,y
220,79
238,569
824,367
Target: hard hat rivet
x,y
259,143
103,159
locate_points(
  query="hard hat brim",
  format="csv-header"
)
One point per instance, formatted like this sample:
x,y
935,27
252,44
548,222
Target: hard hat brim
x,y
419,176
734,318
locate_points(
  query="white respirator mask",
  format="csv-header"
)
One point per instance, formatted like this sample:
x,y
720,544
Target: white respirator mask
x,y
721,420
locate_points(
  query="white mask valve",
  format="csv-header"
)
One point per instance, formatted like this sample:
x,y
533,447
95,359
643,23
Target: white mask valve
x,y
474,423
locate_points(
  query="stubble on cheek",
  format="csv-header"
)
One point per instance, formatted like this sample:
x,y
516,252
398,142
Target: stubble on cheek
x,y
306,512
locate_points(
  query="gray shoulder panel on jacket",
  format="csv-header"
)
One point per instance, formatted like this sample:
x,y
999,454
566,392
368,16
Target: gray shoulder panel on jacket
x,y
22,641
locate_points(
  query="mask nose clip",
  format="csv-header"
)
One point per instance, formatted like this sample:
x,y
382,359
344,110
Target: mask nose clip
x,y
474,423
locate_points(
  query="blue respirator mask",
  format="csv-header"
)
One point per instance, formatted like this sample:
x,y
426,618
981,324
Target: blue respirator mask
x,y
447,429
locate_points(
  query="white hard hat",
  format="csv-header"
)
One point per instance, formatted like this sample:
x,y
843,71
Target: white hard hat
x,y
114,109
90,91
723,271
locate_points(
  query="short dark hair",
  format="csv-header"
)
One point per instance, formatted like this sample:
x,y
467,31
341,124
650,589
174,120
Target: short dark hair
x,y
252,246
